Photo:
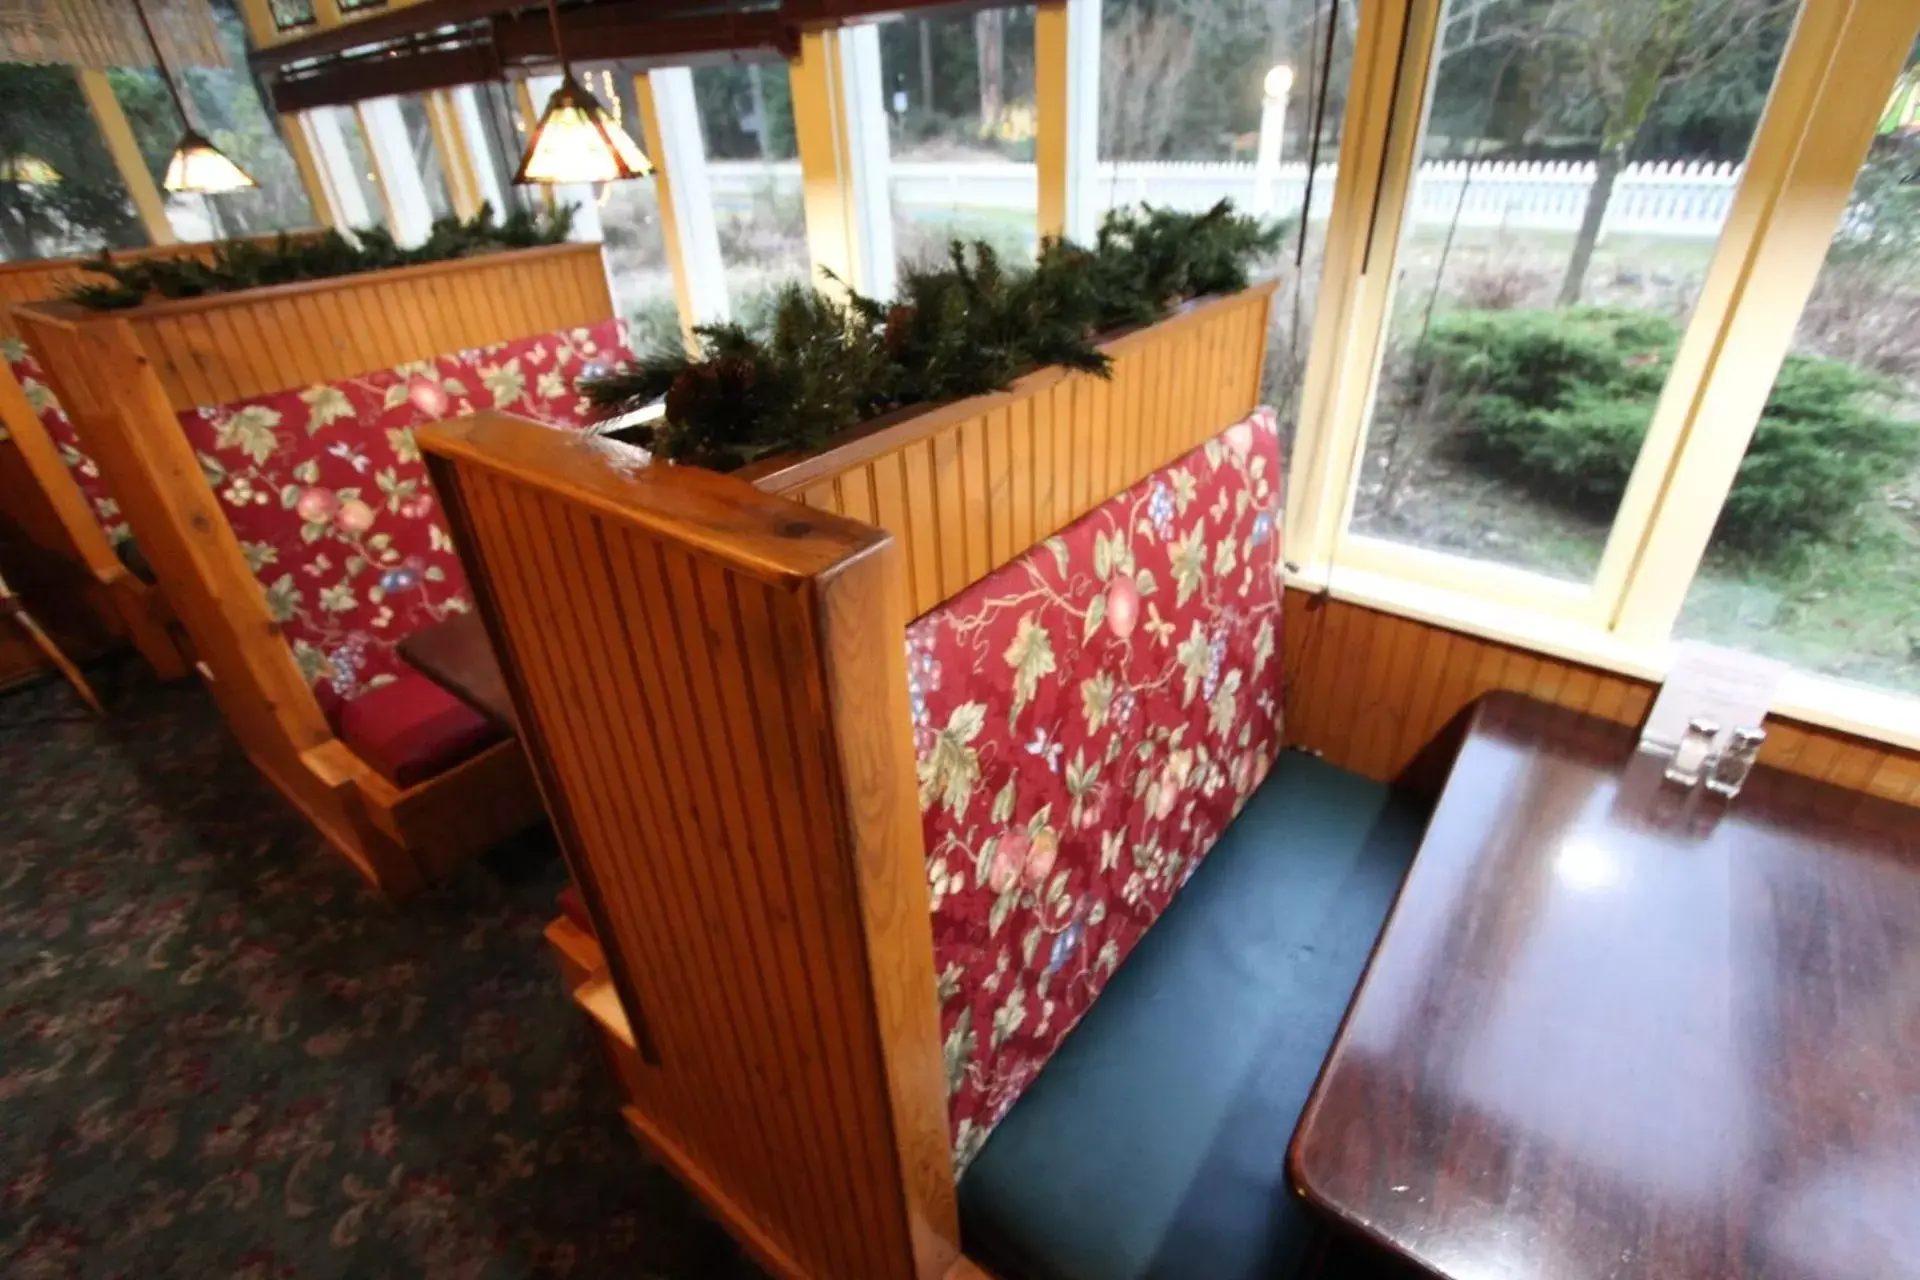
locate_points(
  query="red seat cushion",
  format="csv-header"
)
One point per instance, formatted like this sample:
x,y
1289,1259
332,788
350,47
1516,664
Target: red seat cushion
x,y
325,488
411,729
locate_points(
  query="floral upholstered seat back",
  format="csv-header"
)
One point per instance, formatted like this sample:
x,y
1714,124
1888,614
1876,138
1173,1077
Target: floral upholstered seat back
x,y
86,474
326,491
1088,719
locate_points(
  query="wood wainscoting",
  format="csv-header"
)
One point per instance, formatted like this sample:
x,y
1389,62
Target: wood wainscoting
x,y
1371,691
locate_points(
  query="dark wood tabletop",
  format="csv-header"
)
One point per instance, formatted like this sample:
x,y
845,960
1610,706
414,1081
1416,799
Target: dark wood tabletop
x,y
1618,1029
457,655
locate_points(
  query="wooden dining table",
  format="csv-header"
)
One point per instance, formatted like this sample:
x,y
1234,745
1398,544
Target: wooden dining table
x,y
1616,1028
457,655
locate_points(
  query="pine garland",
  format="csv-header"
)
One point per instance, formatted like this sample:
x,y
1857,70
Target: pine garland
x,y
243,264
960,329
819,369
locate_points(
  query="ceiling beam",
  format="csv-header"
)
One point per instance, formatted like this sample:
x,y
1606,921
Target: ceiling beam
x,y
347,81
637,32
438,44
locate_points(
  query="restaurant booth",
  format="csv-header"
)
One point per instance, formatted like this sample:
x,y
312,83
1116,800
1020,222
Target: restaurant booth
x,y
259,446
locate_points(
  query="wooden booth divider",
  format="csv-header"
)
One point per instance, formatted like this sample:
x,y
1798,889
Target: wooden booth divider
x,y
126,376
968,486
39,490
711,682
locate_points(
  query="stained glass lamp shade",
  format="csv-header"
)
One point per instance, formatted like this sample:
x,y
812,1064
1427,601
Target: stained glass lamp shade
x,y
577,141
198,165
28,171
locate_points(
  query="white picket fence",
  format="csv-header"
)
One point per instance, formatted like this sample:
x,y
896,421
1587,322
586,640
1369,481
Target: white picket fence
x,y
1648,199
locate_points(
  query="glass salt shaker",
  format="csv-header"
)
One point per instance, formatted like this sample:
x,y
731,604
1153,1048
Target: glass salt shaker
x,y
1694,756
1730,771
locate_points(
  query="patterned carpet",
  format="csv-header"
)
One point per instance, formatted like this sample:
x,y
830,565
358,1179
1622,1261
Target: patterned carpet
x,y
219,1056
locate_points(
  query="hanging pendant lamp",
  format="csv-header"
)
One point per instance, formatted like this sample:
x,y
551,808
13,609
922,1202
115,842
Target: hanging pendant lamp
x,y
29,171
197,165
576,140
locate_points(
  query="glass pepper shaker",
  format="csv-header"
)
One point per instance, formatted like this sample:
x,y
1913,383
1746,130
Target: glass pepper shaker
x,y
1730,770
1693,758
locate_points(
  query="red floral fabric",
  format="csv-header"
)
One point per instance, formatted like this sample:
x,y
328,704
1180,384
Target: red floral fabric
x,y
326,491
1088,720
86,473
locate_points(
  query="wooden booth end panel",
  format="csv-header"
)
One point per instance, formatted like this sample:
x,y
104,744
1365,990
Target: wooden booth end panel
x,y
702,677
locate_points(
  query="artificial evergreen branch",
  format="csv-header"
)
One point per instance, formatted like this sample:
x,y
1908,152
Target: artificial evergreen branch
x,y
969,326
819,368
245,264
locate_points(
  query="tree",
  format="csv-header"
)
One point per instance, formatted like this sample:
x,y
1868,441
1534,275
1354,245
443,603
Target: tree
x,y
746,112
1145,58
990,46
43,116
1620,59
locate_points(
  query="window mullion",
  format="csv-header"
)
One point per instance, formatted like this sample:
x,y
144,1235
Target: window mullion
x,y
148,200
1378,146
1066,83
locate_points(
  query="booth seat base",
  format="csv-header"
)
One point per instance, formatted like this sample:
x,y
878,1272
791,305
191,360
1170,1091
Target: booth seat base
x,y
1154,1143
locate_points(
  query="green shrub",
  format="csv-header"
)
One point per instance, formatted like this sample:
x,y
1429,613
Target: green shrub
x,y
1560,401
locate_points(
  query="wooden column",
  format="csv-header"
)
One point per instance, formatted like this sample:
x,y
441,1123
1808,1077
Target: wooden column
x,y
711,682
840,125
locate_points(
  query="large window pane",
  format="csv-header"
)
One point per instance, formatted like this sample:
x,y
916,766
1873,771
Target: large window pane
x,y
1187,118
630,231
959,93
1575,171
1816,558
228,108
426,156
60,193
496,135
753,171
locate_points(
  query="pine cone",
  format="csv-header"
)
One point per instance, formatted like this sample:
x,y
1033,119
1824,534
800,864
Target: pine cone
x,y
687,391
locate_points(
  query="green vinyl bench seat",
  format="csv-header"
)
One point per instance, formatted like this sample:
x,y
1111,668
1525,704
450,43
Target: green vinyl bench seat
x,y
1154,1143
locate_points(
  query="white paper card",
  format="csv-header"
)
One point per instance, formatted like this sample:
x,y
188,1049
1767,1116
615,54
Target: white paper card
x,y
1731,688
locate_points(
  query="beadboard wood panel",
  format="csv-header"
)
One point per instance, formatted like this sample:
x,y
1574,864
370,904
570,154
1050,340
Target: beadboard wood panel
x,y
966,487
42,278
1371,690
711,685
232,346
